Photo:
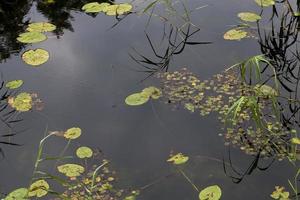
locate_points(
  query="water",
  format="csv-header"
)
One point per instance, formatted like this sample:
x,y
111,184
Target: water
x,y
89,75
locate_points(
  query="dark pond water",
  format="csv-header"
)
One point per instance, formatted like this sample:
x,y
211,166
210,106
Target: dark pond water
x,y
89,75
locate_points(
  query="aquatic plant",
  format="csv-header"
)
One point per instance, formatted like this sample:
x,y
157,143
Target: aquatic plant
x,y
82,181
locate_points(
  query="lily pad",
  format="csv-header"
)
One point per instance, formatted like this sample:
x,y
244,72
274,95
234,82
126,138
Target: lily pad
x,y
152,92
22,102
31,37
235,34
295,140
95,7
72,133
249,16
84,152
265,91
136,99
211,193
41,27
38,188
280,193
118,9
71,170
14,84
265,3
178,159
18,194
35,57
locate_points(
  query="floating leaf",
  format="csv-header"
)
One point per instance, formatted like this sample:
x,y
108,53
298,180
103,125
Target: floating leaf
x,y
35,57
22,102
41,27
211,193
152,92
118,9
84,152
249,16
71,170
265,3
136,99
95,7
18,194
295,140
280,194
73,133
265,91
190,107
31,37
178,159
14,84
235,34
38,188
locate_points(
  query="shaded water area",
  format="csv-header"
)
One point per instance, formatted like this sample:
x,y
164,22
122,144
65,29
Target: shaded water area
x,y
92,69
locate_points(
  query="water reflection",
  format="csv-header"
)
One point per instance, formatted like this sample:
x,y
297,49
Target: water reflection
x,y
13,20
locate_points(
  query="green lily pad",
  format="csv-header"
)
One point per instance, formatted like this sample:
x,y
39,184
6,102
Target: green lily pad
x,y
18,194
22,102
235,34
265,3
72,133
84,152
152,92
178,159
211,193
35,57
136,99
280,193
38,188
295,140
71,170
31,37
14,84
41,27
118,9
95,7
265,91
249,16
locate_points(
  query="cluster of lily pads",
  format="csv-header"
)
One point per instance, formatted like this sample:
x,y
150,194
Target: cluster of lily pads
x,y
246,111
35,34
212,192
107,8
242,31
142,97
81,182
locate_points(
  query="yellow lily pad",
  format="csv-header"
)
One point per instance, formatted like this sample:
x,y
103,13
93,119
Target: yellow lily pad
x,y
118,9
95,7
249,16
31,37
14,84
38,188
35,57
152,92
71,170
41,27
295,140
84,152
72,133
22,102
235,34
178,159
211,193
17,194
136,99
